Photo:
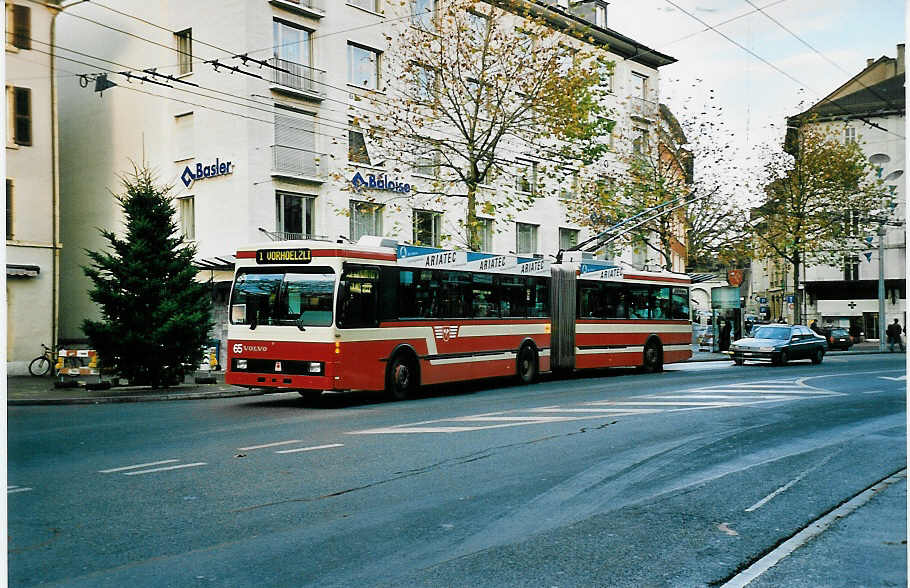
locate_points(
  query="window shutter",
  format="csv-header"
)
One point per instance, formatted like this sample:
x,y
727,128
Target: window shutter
x,y
9,209
295,143
22,26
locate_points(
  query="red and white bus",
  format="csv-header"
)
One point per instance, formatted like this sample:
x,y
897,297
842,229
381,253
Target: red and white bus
x,y
312,316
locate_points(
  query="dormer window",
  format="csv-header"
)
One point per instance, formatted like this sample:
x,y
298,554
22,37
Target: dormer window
x,y
600,15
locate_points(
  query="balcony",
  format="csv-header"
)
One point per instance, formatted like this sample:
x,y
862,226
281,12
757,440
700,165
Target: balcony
x,y
311,8
297,80
298,164
642,109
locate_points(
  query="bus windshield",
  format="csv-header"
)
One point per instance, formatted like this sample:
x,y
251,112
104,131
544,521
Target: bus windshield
x,y
301,297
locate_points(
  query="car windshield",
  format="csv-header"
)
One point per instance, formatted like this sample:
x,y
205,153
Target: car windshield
x,y
772,333
298,297
839,332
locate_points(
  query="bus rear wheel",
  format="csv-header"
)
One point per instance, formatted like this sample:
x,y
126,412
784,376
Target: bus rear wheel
x,y
401,379
527,365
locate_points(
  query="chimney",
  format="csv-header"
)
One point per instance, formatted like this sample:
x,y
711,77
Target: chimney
x,y
900,58
869,61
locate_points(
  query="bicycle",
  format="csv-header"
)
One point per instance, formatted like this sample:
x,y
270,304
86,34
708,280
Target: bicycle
x,y
41,365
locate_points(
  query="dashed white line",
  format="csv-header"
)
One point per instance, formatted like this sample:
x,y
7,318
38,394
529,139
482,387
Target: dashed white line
x,y
267,445
14,489
299,449
176,467
136,467
790,484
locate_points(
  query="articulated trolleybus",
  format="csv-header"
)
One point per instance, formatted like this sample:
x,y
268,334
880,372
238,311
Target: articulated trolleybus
x,y
311,316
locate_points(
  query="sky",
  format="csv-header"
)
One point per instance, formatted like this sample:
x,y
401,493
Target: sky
x,y
754,99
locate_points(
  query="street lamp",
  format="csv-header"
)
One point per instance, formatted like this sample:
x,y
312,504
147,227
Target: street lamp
x,y
878,160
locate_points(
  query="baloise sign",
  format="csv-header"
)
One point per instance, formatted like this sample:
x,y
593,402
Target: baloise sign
x,y
380,182
218,168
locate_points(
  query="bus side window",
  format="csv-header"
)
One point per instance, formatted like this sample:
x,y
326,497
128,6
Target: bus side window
x,y
388,293
639,302
538,297
614,301
660,308
359,298
679,304
512,296
483,296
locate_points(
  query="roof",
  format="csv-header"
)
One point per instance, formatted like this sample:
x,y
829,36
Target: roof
x,y
884,98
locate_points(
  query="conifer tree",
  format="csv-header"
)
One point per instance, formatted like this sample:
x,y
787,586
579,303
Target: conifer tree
x,y
154,315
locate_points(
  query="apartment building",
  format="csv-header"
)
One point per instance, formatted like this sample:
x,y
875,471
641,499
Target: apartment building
x,y
251,110
32,243
869,108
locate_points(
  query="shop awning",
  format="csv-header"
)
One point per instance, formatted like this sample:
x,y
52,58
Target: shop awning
x,y
15,270
220,262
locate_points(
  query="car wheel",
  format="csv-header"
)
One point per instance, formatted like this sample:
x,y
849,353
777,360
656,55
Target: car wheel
x,y
527,366
783,358
819,356
737,361
401,379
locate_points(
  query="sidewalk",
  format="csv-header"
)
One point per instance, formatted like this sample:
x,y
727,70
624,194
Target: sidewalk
x,y
29,390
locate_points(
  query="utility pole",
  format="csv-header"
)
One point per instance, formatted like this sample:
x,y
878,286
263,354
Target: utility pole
x,y
881,287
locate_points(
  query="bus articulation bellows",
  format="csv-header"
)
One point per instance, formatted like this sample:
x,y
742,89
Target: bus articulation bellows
x,y
311,316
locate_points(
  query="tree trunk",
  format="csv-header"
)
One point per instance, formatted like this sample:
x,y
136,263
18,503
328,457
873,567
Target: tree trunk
x,y
471,220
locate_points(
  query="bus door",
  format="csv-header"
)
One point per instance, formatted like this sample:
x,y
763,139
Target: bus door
x,y
562,317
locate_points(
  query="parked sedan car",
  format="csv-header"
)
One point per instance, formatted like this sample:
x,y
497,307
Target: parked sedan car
x,y
779,344
838,338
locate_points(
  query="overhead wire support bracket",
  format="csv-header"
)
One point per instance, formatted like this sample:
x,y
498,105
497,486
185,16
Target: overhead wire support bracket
x,y
216,64
130,75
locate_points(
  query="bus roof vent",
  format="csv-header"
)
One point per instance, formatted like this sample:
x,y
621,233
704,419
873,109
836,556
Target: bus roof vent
x,y
375,241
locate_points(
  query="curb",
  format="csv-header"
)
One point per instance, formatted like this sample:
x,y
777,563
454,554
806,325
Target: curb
x,y
123,399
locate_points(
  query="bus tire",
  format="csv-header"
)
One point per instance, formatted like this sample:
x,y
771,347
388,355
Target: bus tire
x,y
527,365
653,357
402,377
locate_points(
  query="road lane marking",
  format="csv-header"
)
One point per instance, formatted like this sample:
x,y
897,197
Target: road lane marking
x,y
872,392
791,483
816,528
299,449
136,467
252,447
176,467
898,379
14,489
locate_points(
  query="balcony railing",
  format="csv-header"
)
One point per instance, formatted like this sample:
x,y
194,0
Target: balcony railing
x,y
311,8
298,163
297,77
641,108
288,236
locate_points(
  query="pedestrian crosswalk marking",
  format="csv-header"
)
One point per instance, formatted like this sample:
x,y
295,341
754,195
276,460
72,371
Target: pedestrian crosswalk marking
x,y
697,398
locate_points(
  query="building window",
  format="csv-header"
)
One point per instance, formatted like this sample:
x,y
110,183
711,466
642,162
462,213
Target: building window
x,y
427,228
427,163
851,268
485,232
639,86
600,16
568,238
9,209
357,146
640,142
366,219
371,5
295,143
20,115
526,178
19,26
363,67
425,79
849,135
292,43
294,215
478,24
187,210
422,14
526,238
564,4
184,51
184,137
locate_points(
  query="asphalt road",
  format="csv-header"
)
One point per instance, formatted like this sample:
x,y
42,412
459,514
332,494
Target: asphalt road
x,y
684,478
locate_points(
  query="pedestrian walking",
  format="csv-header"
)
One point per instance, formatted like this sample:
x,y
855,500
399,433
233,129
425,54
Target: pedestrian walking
x,y
725,336
894,332
814,326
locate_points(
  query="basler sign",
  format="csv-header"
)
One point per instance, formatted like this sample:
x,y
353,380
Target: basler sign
x,y
201,172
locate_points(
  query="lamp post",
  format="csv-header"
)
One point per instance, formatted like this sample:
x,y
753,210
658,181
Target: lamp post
x,y
878,160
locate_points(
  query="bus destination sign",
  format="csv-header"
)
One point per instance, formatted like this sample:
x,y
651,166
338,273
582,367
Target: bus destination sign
x,y
284,256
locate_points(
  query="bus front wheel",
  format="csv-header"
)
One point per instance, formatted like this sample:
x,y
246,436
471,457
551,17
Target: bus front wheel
x,y
401,380
527,365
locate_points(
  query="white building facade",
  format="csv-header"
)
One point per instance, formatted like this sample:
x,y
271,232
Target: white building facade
x,y
32,238
250,112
